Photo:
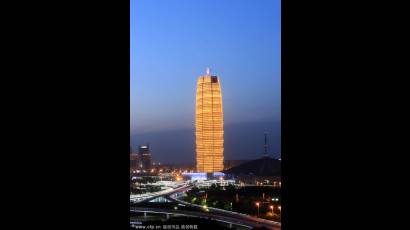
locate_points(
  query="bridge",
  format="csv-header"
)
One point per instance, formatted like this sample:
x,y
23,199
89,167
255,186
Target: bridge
x,y
208,212
168,212
150,196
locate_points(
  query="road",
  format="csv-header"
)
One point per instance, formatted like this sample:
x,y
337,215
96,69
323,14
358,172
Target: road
x,y
190,214
237,217
242,221
167,194
213,213
149,196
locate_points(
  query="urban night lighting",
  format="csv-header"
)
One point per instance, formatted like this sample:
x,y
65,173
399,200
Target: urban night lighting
x,y
196,159
257,205
209,132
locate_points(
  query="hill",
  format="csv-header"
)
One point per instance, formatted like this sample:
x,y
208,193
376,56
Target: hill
x,y
265,166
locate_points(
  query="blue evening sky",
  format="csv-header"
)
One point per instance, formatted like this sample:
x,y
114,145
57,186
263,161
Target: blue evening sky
x,y
173,41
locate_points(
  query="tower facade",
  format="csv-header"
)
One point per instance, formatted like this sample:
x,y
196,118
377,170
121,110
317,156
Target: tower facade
x,y
209,131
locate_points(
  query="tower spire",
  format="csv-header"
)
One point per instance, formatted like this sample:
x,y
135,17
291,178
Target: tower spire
x,y
265,154
208,71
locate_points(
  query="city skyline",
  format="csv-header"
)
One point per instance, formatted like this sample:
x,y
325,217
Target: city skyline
x,y
205,114
172,43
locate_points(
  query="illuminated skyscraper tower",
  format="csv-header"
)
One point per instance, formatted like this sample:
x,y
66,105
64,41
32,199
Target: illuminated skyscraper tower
x,y
209,131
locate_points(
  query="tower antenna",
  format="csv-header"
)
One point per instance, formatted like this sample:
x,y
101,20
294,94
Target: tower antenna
x,y
208,71
265,154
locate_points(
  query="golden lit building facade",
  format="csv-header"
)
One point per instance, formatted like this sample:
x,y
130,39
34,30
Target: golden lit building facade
x,y
209,132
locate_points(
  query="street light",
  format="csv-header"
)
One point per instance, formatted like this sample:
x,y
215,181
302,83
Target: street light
x,y
257,205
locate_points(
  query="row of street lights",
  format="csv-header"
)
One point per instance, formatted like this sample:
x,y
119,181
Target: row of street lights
x,y
270,207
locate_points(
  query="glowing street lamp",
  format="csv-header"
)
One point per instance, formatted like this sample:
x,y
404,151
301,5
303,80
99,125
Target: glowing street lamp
x,y
257,205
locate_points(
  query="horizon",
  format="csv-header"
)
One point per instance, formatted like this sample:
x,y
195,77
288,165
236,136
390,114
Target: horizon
x,y
171,46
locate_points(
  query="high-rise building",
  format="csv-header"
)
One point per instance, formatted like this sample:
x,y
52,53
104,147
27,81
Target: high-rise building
x,y
134,160
209,131
145,156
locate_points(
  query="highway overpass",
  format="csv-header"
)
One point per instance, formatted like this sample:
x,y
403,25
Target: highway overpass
x,y
239,221
199,211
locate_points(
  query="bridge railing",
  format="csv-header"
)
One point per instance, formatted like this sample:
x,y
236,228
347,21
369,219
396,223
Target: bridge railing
x,y
153,210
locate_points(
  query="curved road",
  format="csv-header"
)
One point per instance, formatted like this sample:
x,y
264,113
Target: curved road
x,y
213,213
218,217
